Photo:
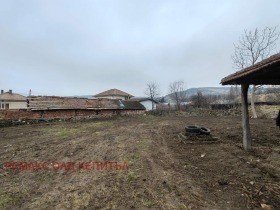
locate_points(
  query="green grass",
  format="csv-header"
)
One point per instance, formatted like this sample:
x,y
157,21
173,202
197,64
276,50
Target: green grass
x,y
132,176
131,159
9,199
5,200
61,132
143,144
96,125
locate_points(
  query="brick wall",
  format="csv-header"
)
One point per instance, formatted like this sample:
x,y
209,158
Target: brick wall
x,y
63,114
18,114
52,114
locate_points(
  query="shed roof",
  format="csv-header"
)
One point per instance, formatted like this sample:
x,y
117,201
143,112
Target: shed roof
x,y
12,97
140,99
266,72
113,92
55,103
133,105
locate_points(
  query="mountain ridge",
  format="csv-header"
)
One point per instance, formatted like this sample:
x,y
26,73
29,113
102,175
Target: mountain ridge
x,y
205,91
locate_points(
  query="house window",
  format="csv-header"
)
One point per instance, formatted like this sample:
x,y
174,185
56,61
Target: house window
x,y
2,106
7,106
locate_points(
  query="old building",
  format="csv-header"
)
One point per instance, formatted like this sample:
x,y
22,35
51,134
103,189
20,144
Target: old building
x,y
114,94
54,107
148,103
10,100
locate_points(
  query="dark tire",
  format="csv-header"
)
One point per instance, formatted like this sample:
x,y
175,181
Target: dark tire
x,y
278,119
204,130
192,129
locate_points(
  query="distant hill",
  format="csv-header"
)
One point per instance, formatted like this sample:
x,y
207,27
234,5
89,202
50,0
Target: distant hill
x,y
204,91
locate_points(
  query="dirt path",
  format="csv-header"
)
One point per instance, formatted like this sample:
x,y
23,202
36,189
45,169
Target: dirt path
x,y
163,173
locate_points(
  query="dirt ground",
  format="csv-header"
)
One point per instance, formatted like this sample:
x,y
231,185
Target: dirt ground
x,y
165,171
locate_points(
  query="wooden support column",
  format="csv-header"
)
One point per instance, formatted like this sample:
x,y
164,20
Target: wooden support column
x,y
247,143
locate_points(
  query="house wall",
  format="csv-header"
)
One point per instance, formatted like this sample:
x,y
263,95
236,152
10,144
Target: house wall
x,y
13,104
148,105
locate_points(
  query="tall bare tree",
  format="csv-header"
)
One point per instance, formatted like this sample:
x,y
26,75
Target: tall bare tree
x,y
177,94
152,91
198,99
232,94
252,47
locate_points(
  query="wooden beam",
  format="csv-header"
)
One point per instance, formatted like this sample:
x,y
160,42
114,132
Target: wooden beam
x,y
247,143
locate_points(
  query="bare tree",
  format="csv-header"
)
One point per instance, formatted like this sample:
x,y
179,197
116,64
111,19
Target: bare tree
x,y
254,46
199,100
232,94
152,91
177,93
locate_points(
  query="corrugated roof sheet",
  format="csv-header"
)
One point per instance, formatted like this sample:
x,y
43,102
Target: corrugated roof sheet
x,y
264,72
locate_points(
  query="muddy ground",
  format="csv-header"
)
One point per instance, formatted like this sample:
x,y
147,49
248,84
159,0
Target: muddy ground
x,y
165,170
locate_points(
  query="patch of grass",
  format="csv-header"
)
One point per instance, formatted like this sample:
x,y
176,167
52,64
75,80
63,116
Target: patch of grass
x,y
81,200
163,123
149,117
132,176
96,125
143,144
131,159
66,132
183,206
148,203
5,200
50,174
10,199
61,132
188,166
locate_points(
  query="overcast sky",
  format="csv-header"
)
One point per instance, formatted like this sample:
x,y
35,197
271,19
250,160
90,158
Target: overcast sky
x,y
79,47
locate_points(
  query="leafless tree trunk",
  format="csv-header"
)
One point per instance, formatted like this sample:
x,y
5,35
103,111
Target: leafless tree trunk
x,y
231,95
152,91
253,99
177,94
254,46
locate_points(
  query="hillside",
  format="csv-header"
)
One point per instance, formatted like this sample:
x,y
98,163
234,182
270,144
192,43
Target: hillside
x,y
205,91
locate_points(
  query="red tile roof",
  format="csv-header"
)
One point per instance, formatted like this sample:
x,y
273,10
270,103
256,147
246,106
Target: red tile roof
x,y
113,92
54,102
12,97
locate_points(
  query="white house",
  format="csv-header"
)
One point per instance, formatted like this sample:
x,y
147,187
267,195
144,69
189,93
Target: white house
x,y
10,100
114,94
146,102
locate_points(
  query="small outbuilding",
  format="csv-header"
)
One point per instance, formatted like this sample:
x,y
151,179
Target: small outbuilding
x,y
266,72
148,103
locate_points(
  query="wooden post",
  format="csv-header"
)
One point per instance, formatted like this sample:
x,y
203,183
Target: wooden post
x,y
245,117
